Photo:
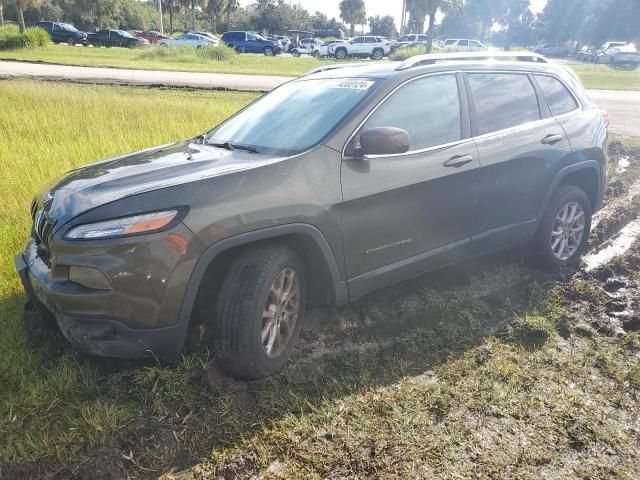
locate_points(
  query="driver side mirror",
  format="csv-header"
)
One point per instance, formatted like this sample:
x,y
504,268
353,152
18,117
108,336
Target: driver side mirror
x,y
383,141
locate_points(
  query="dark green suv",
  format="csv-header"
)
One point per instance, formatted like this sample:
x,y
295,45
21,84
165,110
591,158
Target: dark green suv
x,y
333,185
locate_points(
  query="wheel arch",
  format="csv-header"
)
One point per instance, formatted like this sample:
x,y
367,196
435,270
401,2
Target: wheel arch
x,y
327,285
585,175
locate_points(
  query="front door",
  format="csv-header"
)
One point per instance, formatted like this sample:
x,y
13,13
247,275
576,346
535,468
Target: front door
x,y
521,149
406,213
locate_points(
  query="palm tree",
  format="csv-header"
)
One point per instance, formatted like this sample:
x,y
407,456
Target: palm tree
x,y
353,12
419,9
214,8
232,6
191,5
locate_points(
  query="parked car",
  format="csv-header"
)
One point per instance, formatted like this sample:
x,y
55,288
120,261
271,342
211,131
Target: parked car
x,y
327,188
408,39
151,36
188,40
251,42
323,49
586,53
464,45
607,45
306,46
552,50
208,35
364,46
63,33
618,55
115,38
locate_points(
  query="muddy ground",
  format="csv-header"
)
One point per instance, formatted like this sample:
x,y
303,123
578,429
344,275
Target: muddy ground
x,y
410,327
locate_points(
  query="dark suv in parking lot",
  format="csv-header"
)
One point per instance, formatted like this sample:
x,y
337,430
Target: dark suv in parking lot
x,y
391,170
63,33
251,42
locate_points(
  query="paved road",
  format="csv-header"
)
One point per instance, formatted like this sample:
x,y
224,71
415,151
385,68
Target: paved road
x,y
624,107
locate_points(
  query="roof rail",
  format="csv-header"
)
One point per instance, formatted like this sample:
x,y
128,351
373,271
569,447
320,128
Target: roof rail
x,y
429,59
333,66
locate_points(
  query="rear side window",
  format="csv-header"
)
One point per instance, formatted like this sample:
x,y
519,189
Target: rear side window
x,y
429,109
503,100
558,97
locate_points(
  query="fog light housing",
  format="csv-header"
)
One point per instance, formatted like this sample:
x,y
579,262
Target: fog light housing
x,y
89,278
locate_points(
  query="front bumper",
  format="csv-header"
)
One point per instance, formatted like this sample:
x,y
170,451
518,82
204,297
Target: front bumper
x,y
102,336
139,316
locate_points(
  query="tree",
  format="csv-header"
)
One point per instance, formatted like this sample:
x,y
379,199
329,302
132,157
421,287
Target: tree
x,y
1,15
20,6
232,6
487,11
383,26
353,12
215,8
419,9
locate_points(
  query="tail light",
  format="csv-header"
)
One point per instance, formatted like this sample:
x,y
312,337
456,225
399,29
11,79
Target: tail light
x,y
607,119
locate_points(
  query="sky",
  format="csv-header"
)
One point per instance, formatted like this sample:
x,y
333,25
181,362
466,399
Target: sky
x,y
374,7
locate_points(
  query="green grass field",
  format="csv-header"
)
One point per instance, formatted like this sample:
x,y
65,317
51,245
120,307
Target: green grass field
x,y
137,58
443,397
593,76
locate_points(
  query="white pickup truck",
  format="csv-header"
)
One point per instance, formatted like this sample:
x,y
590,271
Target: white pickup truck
x,y
364,46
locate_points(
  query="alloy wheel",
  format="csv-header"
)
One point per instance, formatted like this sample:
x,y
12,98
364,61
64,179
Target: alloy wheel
x,y
280,313
568,231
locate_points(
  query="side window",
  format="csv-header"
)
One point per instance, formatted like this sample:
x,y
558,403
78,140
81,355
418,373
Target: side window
x,y
422,38
358,40
450,42
404,38
251,37
434,120
56,28
463,43
558,97
473,43
503,100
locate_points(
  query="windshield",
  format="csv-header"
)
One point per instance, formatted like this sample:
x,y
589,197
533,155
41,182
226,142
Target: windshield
x,y
260,37
69,28
124,34
294,117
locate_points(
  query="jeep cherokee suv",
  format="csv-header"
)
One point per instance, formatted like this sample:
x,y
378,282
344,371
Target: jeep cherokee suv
x,y
393,170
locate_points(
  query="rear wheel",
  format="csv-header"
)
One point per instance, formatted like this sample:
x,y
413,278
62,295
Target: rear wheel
x,y
295,53
71,41
341,53
268,51
316,54
564,230
377,54
259,312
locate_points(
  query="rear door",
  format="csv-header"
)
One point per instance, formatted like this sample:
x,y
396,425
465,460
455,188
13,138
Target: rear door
x,y
521,147
406,213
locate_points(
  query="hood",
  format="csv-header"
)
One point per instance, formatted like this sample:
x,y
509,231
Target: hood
x,y
155,168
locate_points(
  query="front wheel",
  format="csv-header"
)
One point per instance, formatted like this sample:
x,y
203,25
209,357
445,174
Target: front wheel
x,y
341,53
564,230
71,41
295,53
259,312
377,54
316,54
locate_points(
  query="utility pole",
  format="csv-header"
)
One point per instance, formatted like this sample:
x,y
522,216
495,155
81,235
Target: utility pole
x,y
160,14
404,14
1,15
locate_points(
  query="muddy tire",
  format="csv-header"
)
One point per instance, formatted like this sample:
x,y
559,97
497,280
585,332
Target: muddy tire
x,y
564,230
259,312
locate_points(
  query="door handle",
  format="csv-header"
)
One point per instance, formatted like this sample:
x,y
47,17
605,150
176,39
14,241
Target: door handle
x,y
458,161
552,139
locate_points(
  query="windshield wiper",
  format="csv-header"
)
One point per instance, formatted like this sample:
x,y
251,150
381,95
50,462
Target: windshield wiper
x,y
234,146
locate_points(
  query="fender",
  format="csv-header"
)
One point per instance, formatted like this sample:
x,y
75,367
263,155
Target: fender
x,y
340,291
587,164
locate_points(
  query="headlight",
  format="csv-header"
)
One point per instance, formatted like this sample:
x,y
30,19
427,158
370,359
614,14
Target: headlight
x,y
137,224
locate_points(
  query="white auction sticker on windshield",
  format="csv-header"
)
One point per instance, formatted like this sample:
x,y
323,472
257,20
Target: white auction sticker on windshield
x,y
353,84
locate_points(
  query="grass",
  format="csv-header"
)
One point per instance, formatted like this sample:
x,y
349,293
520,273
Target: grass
x,y
152,59
11,38
445,398
157,58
